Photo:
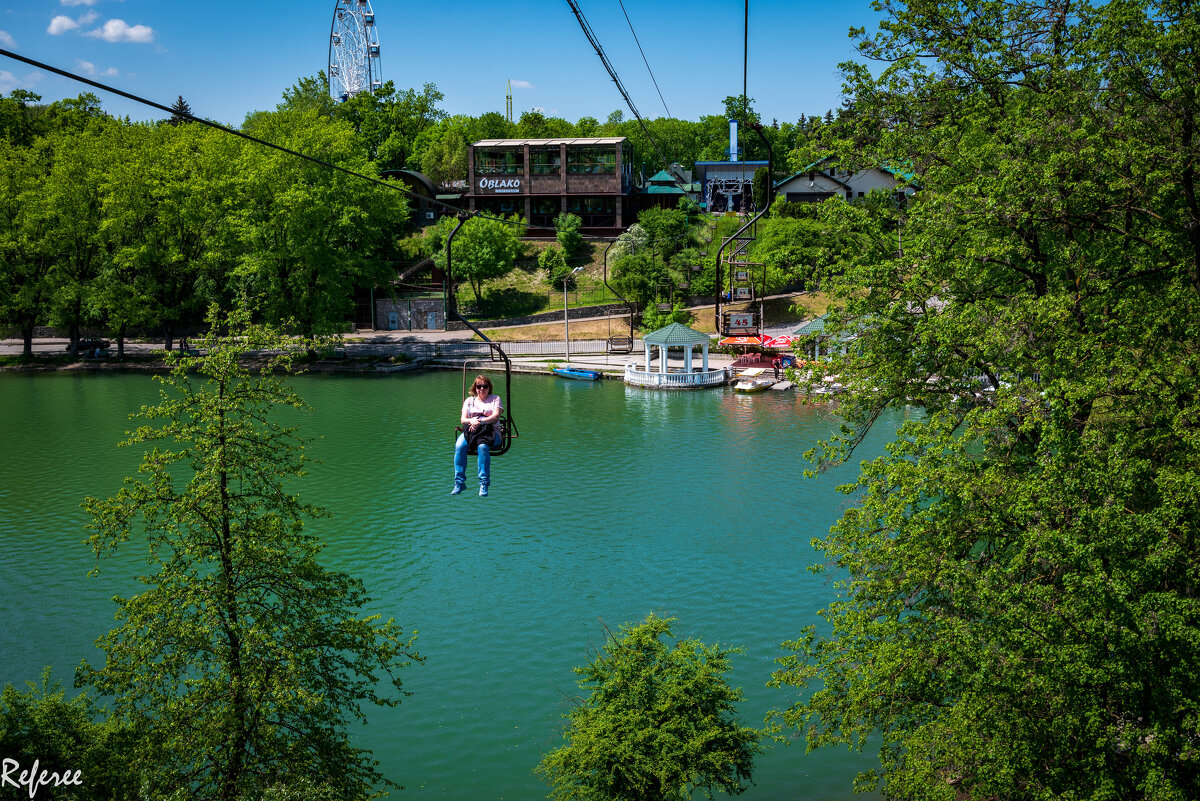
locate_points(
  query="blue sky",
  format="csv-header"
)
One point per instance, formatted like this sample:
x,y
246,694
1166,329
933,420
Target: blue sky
x,y
227,59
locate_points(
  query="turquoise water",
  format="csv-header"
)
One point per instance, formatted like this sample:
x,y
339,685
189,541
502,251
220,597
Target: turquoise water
x,y
613,503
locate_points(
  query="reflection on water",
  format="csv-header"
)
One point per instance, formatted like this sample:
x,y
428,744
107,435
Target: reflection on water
x,y
614,502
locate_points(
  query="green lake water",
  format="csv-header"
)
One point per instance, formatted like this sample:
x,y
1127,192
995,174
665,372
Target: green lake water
x,y
613,503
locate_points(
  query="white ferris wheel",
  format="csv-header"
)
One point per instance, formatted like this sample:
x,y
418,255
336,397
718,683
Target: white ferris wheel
x,y
353,49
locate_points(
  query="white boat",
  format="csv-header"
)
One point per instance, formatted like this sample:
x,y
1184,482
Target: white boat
x,y
753,380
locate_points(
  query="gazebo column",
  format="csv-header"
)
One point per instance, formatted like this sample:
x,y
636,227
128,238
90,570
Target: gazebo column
x,y
704,356
646,345
664,353
687,359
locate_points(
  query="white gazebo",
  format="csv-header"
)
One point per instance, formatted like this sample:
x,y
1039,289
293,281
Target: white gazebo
x,y
675,335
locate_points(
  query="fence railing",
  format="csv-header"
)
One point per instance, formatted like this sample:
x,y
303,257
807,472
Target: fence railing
x,y
473,350
710,378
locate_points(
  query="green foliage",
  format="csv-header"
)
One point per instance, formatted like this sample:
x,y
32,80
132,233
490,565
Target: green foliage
x,y
555,264
309,235
670,230
22,119
659,723
484,248
653,319
1018,615
243,659
181,111
761,187
64,736
640,277
566,231
25,245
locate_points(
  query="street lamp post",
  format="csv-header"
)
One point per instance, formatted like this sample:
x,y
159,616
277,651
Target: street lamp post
x,y
567,317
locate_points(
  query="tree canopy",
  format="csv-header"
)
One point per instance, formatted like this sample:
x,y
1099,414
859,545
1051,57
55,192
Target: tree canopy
x,y
243,658
659,723
1018,615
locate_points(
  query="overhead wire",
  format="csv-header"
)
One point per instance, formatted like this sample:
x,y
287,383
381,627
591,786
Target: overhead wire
x,y
243,135
591,37
298,154
644,59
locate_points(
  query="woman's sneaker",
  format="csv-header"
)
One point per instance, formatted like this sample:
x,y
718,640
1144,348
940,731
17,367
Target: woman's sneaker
x,y
482,491
457,489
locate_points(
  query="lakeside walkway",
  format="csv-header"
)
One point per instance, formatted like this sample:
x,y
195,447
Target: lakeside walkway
x,y
428,347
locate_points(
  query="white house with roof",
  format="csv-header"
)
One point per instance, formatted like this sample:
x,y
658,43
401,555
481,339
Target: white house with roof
x,y
825,179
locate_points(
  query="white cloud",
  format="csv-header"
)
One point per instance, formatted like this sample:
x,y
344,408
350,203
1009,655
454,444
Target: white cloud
x,y
61,24
8,81
78,2
7,40
88,68
522,85
118,30
89,18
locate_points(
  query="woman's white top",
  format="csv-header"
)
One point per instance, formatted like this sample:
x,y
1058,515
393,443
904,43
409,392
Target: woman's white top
x,y
476,409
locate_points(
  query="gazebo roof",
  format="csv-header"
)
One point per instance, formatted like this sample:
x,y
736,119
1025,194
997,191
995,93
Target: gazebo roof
x,y
813,326
676,334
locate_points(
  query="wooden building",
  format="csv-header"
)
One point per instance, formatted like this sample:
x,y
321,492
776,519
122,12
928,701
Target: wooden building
x,y
539,179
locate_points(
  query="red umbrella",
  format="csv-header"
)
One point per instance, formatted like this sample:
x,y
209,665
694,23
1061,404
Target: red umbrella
x,y
741,341
779,343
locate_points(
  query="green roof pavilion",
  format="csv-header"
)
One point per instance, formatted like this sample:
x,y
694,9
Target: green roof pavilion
x,y
677,335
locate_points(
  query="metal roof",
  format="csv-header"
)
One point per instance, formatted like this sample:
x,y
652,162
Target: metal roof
x,y
813,326
676,334
595,140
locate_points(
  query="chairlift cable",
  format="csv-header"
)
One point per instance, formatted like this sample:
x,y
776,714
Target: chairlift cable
x,y
242,135
591,37
644,60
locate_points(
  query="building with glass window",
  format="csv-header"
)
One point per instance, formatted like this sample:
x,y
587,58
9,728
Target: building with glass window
x,y
541,178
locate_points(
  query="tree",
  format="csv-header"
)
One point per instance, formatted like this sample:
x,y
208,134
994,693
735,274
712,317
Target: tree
x,y
243,658
64,737
166,205
70,212
639,276
310,235
566,231
670,230
181,112
22,119
25,256
761,187
659,723
440,151
554,263
1018,613
483,249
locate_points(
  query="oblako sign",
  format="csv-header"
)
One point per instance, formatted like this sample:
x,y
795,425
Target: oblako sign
x,y
500,184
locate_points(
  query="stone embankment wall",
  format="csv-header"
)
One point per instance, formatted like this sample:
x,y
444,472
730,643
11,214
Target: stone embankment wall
x,y
576,313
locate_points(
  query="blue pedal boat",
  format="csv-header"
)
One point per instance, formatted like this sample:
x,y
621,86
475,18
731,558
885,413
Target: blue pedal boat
x,y
577,373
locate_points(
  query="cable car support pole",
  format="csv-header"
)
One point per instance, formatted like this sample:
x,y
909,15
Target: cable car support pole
x,y
610,289
452,314
717,266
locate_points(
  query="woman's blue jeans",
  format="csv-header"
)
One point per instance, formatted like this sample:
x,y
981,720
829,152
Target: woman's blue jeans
x,y
484,458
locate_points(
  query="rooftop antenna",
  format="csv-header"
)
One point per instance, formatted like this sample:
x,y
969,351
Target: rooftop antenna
x,y
508,101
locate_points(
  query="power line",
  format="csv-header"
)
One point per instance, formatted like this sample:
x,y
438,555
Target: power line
x,y
242,135
647,63
587,31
